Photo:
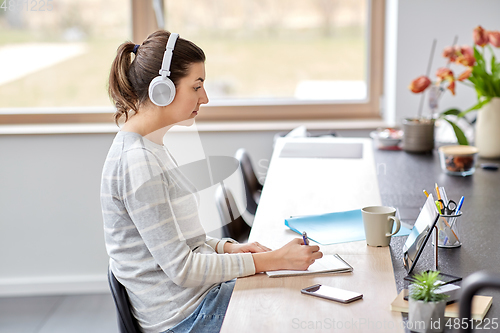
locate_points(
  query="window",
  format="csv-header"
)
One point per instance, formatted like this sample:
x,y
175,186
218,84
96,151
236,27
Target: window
x,y
286,59
58,53
55,57
266,59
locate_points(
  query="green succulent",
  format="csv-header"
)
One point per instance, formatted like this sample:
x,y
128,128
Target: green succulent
x,y
424,287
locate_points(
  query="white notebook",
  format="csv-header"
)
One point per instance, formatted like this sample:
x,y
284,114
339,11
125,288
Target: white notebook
x,y
327,264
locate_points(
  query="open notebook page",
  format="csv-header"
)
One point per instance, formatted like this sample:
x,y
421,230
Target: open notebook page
x,y
328,264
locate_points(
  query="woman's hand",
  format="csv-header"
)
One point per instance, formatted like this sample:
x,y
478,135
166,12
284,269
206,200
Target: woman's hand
x,y
297,256
294,256
254,247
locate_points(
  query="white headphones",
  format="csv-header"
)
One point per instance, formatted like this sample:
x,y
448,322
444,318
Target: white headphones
x,y
162,89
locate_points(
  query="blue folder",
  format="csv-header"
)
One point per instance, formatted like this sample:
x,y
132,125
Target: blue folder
x,y
333,228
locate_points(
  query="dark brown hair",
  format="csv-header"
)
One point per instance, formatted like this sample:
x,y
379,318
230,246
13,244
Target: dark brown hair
x,y
129,79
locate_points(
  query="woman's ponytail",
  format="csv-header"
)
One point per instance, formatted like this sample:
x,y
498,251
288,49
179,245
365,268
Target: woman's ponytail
x,y
120,89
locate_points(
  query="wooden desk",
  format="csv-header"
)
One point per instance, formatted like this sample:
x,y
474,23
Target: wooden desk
x,y
300,186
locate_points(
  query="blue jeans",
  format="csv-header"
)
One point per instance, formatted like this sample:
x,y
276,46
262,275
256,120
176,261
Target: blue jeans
x,y
208,316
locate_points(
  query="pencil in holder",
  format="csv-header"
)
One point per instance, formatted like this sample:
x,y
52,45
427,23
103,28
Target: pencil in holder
x,y
449,231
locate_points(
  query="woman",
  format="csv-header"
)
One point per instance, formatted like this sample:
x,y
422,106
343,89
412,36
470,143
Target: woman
x,y
178,279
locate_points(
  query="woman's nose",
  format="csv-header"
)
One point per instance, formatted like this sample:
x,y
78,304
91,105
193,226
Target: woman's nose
x,y
204,97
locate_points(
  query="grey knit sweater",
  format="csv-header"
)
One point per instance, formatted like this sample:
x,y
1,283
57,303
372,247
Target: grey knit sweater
x,y
157,246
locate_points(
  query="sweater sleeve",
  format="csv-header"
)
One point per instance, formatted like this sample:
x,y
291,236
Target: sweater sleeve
x,y
166,216
212,242
218,244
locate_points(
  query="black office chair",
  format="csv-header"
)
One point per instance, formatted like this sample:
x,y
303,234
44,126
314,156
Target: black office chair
x,y
233,224
471,285
253,187
126,320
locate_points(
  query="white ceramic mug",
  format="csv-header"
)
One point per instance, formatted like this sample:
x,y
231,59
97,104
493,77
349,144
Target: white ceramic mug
x,y
378,222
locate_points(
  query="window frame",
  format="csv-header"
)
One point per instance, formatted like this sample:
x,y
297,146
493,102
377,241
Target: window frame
x,y
238,110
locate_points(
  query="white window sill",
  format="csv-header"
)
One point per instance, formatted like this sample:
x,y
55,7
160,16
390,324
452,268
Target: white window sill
x,y
228,126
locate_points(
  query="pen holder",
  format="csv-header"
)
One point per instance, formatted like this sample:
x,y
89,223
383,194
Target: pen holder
x,y
448,231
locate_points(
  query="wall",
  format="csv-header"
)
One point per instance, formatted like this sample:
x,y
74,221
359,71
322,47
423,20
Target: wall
x,y
51,227
411,27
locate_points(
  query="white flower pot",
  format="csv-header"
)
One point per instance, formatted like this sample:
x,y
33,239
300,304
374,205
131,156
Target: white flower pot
x,y
426,317
488,130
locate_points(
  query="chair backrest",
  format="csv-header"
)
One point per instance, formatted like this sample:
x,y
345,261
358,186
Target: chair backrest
x,y
471,285
126,320
253,187
233,224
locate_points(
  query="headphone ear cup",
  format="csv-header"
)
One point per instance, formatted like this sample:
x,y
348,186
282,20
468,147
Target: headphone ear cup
x,y
161,91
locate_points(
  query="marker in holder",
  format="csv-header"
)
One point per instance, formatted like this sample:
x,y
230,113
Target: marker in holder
x,y
448,231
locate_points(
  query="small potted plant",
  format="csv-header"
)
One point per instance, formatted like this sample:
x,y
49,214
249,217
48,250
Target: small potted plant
x,y
426,306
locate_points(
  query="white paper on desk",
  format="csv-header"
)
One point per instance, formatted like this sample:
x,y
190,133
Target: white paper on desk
x,y
328,264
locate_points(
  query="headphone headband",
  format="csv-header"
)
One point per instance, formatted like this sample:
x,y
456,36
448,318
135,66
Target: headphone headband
x,y
167,56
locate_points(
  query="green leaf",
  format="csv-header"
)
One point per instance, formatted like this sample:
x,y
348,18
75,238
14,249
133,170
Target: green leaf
x,y
493,59
479,77
424,287
479,58
485,83
478,71
495,70
461,138
475,107
495,84
450,112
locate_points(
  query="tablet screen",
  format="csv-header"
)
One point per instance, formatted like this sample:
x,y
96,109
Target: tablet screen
x,y
420,233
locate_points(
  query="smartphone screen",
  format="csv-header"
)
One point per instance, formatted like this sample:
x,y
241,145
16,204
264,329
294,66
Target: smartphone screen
x,y
331,293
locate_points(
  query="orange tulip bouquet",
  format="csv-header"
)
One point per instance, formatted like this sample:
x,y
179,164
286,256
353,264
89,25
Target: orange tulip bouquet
x,y
479,73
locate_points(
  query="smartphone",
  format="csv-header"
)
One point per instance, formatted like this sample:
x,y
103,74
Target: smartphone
x,y
331,293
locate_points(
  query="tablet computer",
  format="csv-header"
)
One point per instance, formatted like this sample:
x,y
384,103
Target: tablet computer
x,y
420,233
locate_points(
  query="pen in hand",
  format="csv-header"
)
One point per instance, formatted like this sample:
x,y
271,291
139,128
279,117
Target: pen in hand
x,y
304,237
